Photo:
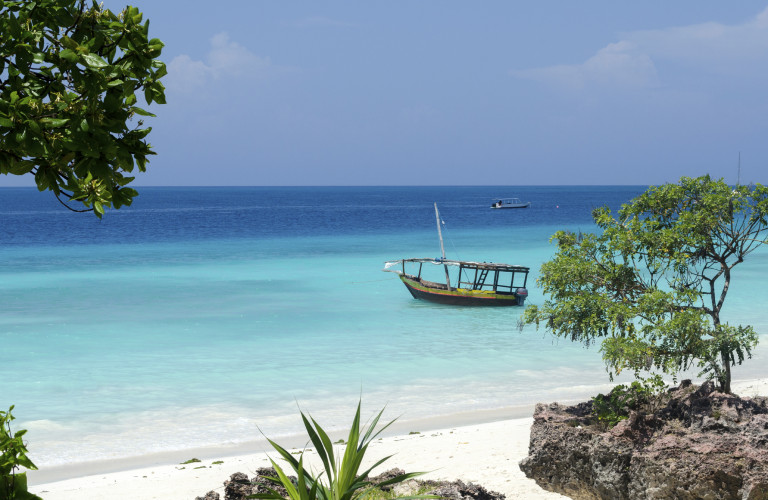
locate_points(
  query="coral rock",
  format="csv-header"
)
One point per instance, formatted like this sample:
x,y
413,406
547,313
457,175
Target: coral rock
x,y
702,445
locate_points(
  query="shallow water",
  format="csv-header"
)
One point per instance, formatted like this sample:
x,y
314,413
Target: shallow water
x,y
199,315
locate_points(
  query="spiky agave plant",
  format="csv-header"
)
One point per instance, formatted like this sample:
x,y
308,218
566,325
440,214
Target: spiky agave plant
x,y
343,479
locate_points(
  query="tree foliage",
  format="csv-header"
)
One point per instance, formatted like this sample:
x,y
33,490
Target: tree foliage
x,y
13,456
653,283
70,73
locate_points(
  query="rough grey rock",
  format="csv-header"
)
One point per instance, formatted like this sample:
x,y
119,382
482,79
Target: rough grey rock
x,y
702,445
238,487
458,490
211,495
449,490
260,484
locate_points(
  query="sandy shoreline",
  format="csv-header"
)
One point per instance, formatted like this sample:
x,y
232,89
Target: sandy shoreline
x,y
483,453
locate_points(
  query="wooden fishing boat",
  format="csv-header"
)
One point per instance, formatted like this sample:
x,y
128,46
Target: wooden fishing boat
x,y
476,283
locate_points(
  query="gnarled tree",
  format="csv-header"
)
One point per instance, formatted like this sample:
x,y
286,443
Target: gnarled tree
x,y
653,283
70,72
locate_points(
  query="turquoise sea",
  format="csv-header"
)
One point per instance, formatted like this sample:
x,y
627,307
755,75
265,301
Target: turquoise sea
x,y
205,316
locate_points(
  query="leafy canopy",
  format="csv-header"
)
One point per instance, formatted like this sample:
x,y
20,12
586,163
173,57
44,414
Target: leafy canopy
x,y
69,77
653,284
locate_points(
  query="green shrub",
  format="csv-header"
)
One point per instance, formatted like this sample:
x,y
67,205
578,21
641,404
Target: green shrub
x,y
644,395
613,408
13,455
343,481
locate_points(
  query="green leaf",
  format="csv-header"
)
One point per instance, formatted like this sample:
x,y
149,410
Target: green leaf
x,y
21,167
33,125
94,61
64,18
162,70
69,55
54,122
158,93
69,43
20,488
141,162
141,112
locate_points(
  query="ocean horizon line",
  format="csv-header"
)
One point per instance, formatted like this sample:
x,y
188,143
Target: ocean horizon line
x,y
416,186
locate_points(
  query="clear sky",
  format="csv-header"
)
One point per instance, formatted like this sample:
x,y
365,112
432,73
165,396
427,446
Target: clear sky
x,y
459,92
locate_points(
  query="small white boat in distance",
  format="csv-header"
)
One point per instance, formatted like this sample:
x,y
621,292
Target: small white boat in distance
x,y
510,203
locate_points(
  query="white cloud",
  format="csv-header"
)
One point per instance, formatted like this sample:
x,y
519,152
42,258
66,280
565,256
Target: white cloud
x,y
230,58
619,64
225,59
183,72
634,61
709,43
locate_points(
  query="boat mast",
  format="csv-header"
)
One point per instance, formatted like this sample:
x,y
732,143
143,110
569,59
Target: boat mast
x,y
738,174
442,248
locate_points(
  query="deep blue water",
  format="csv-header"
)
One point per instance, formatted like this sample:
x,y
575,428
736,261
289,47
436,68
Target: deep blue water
x,y
215,213
198,314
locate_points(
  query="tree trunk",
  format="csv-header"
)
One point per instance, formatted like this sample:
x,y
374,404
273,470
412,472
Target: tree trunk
x,y
725,377
725,383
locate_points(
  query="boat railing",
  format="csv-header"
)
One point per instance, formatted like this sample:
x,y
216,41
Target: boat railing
x,y
489,276
499,281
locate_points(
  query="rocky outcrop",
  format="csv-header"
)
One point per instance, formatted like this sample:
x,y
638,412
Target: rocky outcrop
x,y
457,490
446,490
211,495
701,444
239,487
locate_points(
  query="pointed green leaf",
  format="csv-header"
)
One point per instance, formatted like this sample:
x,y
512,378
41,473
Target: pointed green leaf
x,y
94,62
54,122
319,444
68,42
140,111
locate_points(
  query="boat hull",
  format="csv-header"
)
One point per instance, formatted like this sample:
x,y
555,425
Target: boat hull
x,y
522,205
460,296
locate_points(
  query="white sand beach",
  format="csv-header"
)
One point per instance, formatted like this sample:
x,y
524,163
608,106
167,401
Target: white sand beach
x,y
486,454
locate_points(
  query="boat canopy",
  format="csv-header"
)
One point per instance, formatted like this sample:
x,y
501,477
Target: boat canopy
x,y
491,266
